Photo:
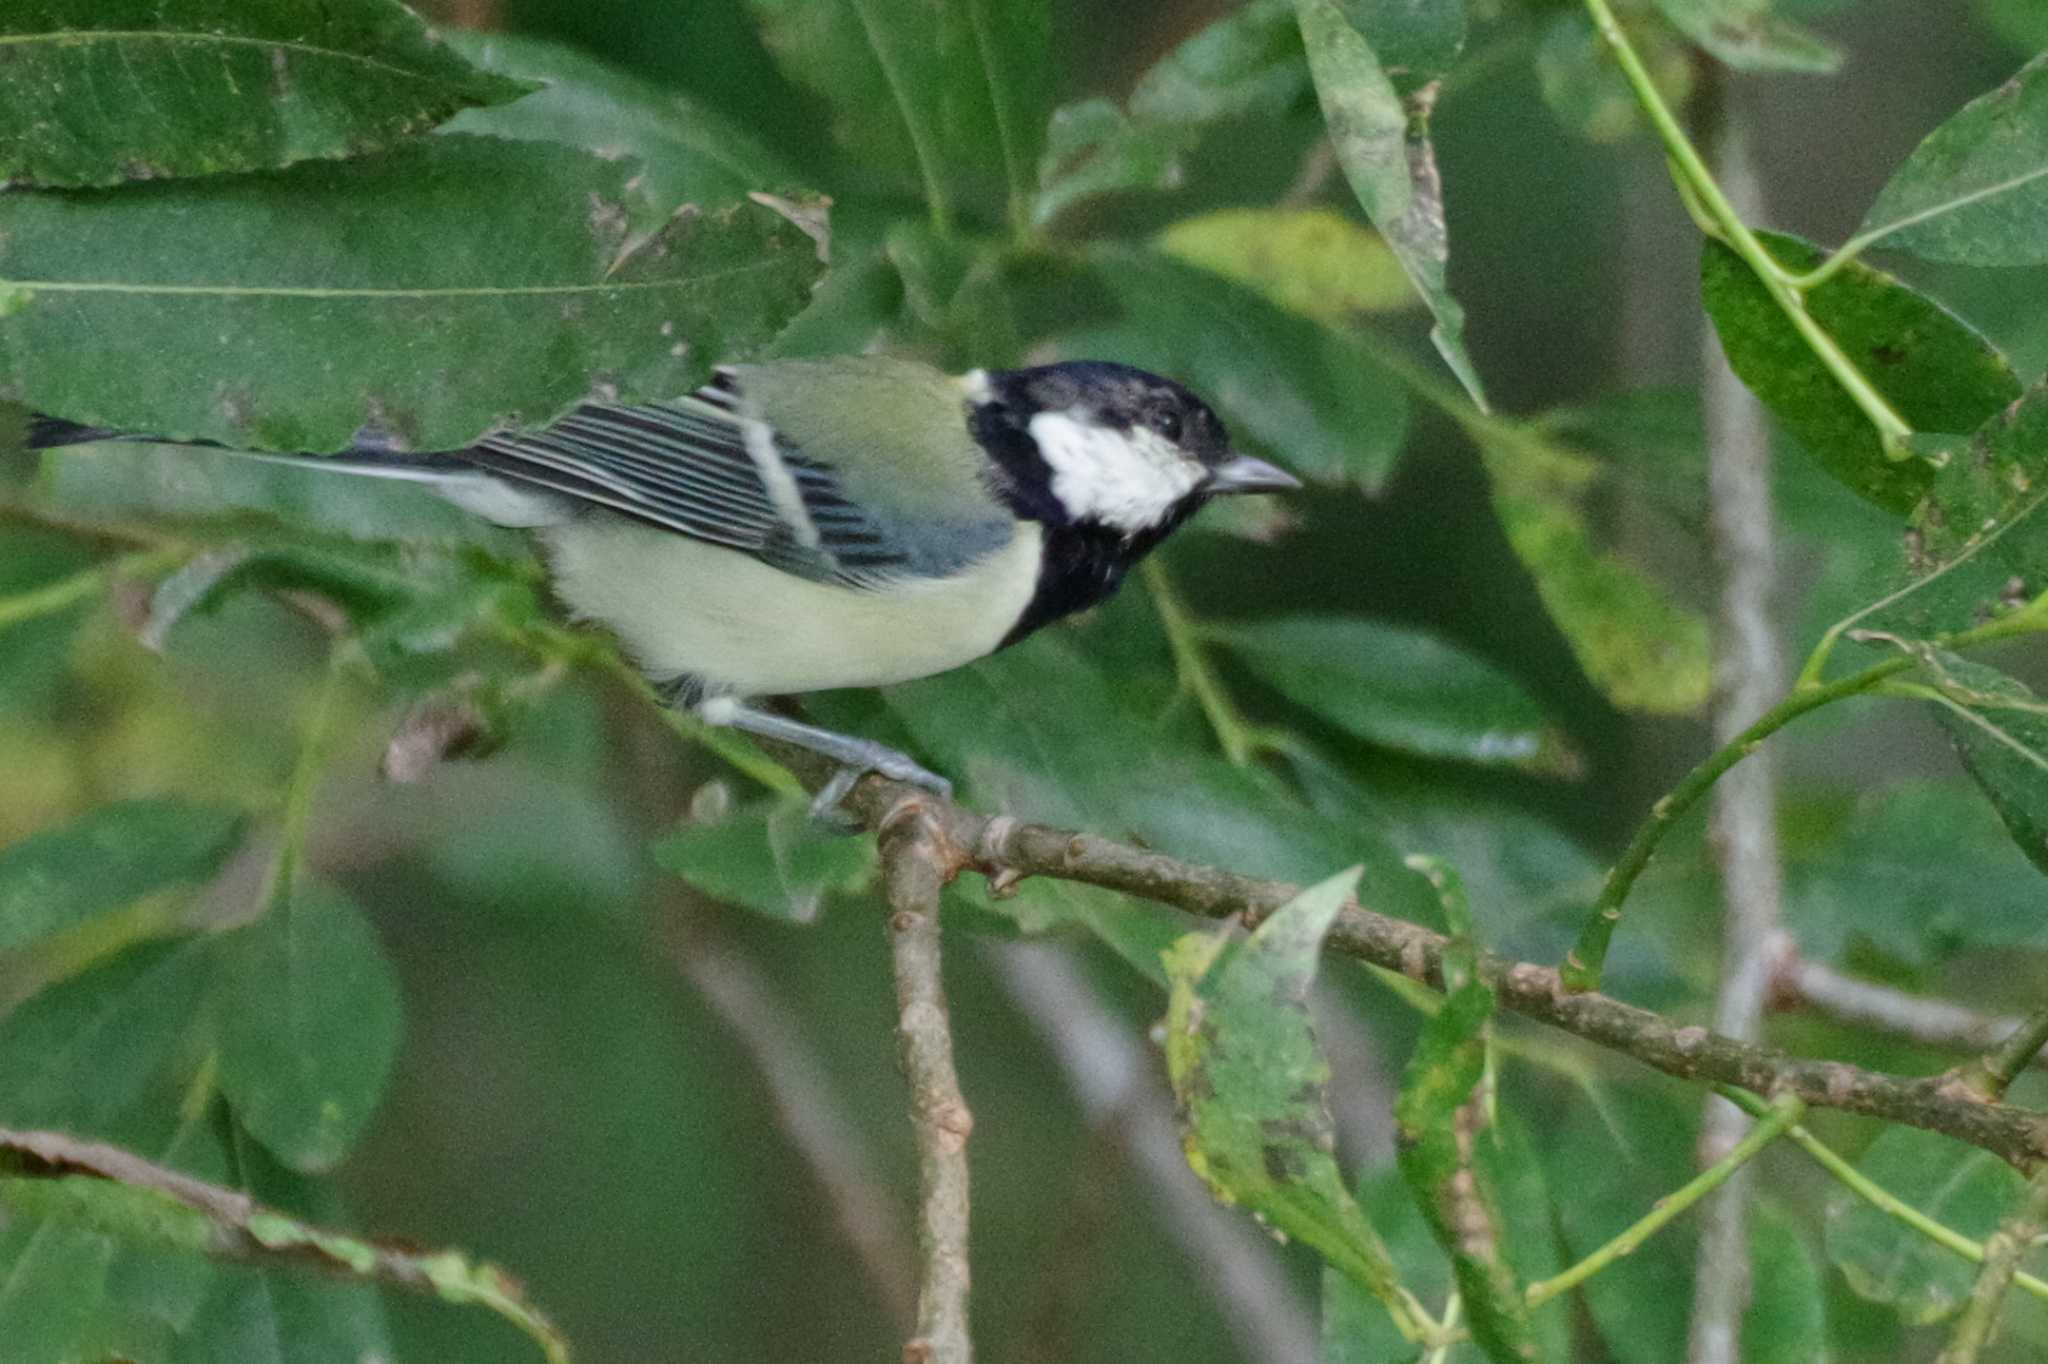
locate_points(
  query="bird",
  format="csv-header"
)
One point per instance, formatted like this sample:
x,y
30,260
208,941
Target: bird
x,y
800,525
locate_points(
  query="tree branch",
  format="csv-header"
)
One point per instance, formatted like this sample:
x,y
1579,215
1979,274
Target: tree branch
x,y
2002,1251
1750,675
51,1174
1803,984
1001,845
918,860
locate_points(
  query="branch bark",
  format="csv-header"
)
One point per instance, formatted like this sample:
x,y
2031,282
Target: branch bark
x,y
1003,846
1750,676
918,859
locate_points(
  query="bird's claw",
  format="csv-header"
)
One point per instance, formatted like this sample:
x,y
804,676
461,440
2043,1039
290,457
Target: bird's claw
x,y
825,806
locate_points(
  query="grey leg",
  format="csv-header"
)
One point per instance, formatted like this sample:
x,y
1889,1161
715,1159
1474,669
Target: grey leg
x,y
856,756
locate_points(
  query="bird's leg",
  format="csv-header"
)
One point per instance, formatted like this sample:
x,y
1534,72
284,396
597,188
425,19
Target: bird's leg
x,y
856,756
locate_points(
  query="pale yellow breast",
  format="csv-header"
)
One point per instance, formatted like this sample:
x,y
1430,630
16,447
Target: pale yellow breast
x,y
683,606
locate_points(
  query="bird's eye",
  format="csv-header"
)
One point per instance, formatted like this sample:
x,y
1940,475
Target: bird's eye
x,y
1165,420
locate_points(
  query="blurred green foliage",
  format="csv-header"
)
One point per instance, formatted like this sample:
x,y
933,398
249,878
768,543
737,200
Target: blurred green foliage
x,y
451,1011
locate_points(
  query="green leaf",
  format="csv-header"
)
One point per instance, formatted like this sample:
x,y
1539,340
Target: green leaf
x,y
1311,261
309,1020
1252,1083
956,91
2023,23
1384,149
1246,64
771,856
107,860
1416,40
1887,1261
1437,1144
279,1317
97,92
1885,872
2001,730
1401,688
1285,386
1641,647
1979,543
1935,371
1975,192
1584,89
449,285
688,154
85,1053
1786,1321
1746,35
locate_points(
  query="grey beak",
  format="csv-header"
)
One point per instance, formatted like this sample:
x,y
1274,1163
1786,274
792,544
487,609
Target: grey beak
x,y
1243,474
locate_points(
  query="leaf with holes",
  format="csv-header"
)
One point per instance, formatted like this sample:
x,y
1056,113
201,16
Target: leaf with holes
x,y
449,285
1252,1083
1976,191
2001,730
1937,372
1978,547
99,92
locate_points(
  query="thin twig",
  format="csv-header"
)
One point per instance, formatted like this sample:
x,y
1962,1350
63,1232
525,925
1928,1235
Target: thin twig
x,y
1995,1071
1750,675
2002,1251
55,1175
1007,847
917,862
1817,986
1117,1087
810,1113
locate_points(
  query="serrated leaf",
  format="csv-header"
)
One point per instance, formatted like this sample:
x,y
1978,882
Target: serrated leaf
x,y
1312,261
1936,371
1315,399
107,860
1975,192
1251,1083
309,1021
1979,543
1637,643
2000,728
1384,149
98,92
452,284
1401,688
687,153
1247,63
1887,1261
1746,35
771,856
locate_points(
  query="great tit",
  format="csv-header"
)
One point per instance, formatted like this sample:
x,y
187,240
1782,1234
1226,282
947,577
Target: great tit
x,y
802,525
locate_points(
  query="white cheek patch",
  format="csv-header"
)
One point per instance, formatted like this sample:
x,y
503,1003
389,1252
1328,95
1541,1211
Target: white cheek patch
x,y
1126,479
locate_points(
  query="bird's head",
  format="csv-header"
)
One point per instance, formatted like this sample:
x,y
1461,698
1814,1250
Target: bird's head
x,y
1092,442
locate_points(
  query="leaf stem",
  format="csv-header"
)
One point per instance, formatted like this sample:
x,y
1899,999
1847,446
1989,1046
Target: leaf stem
x,y
1691,170
1993,1073
1875,1194
1780,1115
1240,739
53,597
305,777
1583,964
2002,1251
